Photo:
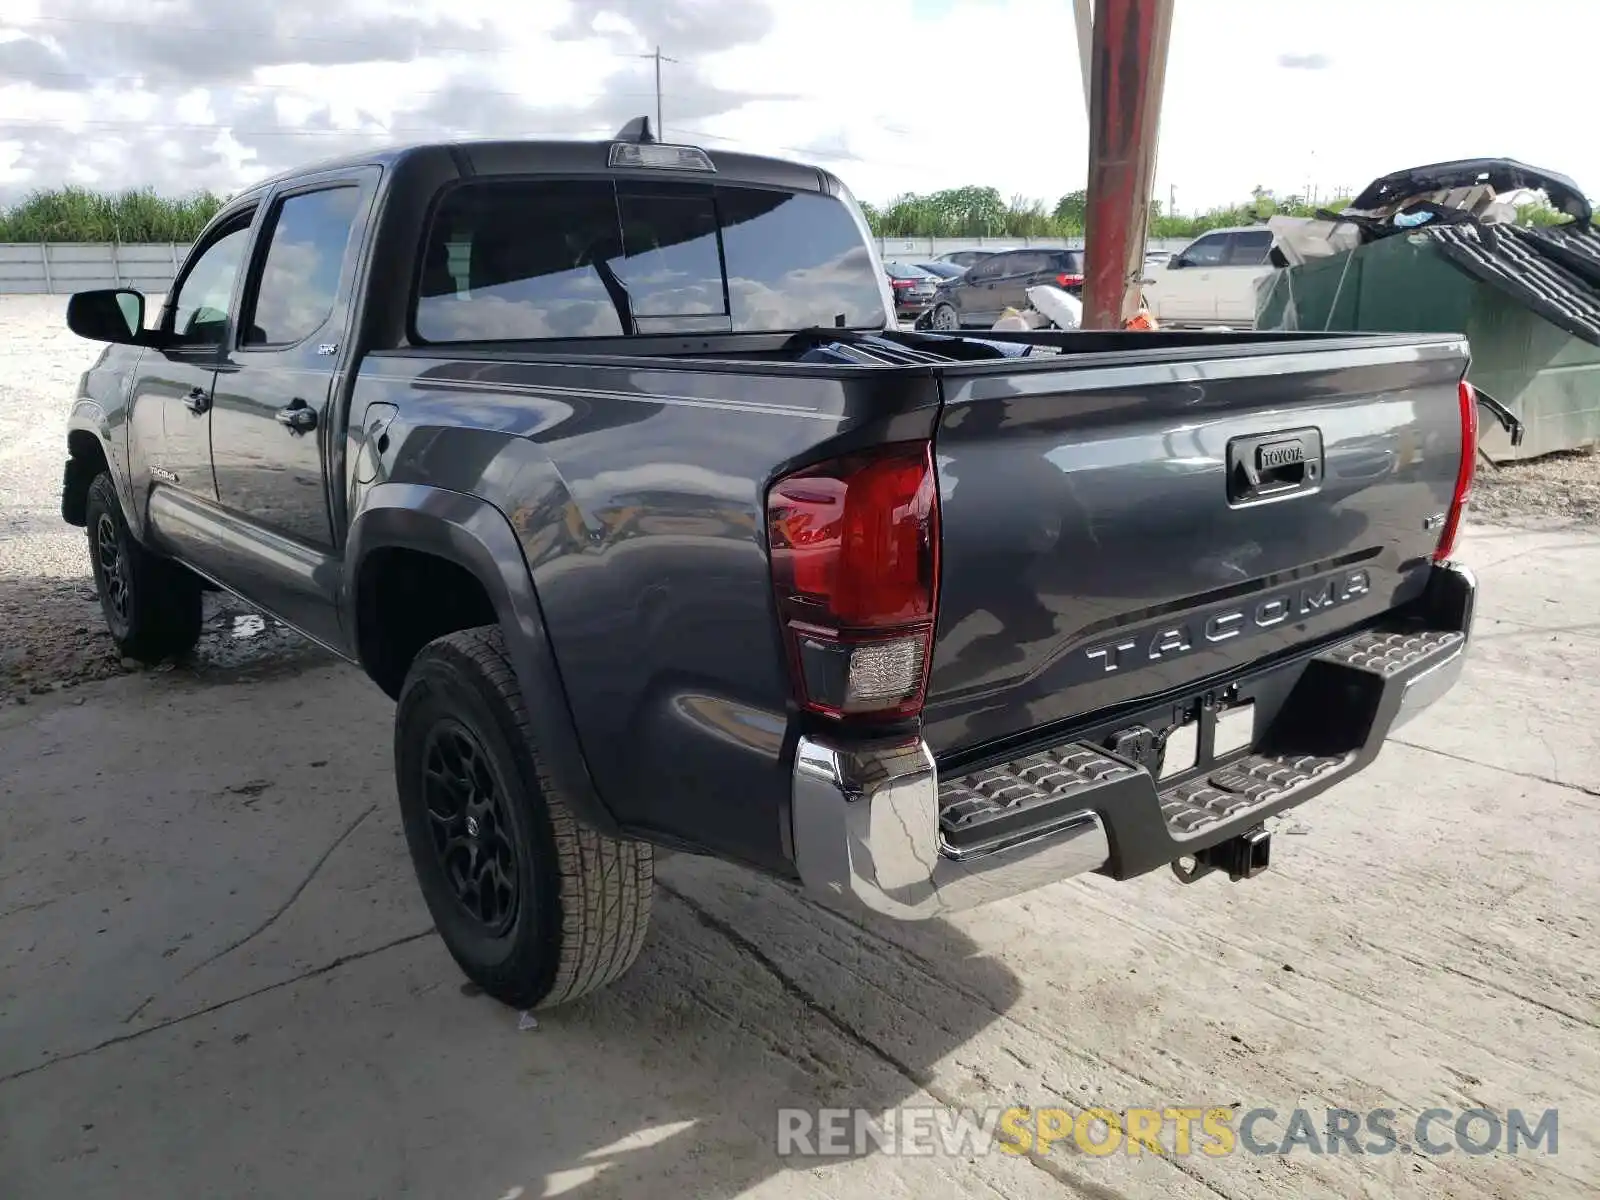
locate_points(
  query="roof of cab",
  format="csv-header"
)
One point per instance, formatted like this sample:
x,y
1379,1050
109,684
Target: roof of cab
x,y
566,157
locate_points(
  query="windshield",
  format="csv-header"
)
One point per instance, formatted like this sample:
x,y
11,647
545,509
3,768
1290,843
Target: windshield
x,y
516,259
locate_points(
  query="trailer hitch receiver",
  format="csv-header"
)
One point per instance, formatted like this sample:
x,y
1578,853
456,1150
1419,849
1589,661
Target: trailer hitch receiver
x,y
1243,856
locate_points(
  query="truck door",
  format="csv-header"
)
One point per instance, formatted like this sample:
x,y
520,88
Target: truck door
x,y
272,434
975,291
1247,262
169,410
1024,268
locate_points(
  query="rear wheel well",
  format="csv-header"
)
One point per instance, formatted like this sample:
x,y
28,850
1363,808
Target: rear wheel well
x,y
407,598
88,460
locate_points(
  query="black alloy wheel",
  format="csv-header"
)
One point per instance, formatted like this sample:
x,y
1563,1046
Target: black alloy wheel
x,y
471,833
113,574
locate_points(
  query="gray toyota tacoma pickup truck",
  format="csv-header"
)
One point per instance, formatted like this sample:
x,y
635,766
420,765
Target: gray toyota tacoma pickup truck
x,y
608,462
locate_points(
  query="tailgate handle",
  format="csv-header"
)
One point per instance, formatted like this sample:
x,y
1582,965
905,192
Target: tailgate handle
x,y
1269,466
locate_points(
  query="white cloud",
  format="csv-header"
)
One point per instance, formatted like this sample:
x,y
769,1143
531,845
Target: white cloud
x,y
894,95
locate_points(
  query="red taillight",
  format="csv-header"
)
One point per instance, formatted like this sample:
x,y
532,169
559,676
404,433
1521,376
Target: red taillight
x,y
1464,472
901,283
1065,280
855,565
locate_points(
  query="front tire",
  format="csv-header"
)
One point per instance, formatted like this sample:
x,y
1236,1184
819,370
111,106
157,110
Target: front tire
x,y
535,908
151,604
944,318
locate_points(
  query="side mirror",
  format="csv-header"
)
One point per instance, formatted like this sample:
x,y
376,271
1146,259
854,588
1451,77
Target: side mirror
x,y
108,315
1176,262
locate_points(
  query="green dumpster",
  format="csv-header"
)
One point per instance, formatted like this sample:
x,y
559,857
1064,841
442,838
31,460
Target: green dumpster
x,y
1547,375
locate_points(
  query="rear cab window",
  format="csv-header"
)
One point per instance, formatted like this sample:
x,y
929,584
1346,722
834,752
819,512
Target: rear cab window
x,y
516,259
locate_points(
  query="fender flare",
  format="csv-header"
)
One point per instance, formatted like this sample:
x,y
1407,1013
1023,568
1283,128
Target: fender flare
x,y
477,536
88,419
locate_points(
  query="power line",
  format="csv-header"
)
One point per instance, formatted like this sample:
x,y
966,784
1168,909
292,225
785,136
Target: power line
x,y
222,31
393,133
296,87
441,132
810,152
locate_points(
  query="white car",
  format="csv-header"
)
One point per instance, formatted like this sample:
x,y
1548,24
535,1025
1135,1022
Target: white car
x,y
1212,280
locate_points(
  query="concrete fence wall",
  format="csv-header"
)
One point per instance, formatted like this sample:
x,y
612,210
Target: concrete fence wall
x,y
922,248
64,267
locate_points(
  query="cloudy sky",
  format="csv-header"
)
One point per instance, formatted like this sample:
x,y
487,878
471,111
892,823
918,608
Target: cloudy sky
x,y
894,95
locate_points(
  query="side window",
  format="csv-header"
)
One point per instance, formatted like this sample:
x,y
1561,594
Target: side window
x,y
1030,263
200,313
975,271
1209,251
1250,248
989,268
307,238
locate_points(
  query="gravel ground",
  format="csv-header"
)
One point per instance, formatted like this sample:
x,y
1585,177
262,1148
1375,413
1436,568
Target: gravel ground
x,y
55,636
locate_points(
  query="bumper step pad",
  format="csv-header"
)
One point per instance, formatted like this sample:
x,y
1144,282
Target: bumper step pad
x,y
1008,801
1238,787
1051,779
1388,653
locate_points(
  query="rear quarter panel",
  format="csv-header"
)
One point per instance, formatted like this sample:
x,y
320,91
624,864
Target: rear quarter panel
x,y
638,496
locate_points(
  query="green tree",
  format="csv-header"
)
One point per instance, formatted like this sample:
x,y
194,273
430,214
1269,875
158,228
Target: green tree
x,y
1072,209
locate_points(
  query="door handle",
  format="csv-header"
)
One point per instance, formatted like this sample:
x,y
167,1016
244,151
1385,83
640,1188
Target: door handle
x,y
197,401
297,417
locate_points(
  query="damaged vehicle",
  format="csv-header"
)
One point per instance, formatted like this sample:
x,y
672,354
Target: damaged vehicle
x,y
1438,248
607,462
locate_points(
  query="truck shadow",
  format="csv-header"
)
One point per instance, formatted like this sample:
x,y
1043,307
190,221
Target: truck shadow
x,y
751,1011
244,995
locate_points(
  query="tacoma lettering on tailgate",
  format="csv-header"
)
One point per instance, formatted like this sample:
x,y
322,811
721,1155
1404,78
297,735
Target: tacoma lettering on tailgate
x,y
1181,635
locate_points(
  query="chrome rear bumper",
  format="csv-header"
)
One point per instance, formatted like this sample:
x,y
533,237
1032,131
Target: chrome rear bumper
x,y
866,816
866,831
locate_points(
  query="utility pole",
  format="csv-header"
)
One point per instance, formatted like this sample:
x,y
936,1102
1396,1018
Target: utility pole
x,y
1083,10
1128,71
659,59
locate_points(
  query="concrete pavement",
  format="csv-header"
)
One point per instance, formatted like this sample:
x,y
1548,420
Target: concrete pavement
x,y
217,978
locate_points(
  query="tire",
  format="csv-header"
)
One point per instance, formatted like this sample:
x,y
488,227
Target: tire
x,y
151,604
944,318
535,908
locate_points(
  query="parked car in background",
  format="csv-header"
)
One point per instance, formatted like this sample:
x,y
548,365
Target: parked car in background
x,y
913,288
1001,281
1212,280
943,270
965,258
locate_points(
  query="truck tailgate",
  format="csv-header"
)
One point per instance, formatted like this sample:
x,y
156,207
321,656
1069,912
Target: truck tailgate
x,y
1129,525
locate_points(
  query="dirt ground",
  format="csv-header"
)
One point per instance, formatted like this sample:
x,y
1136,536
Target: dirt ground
x,y
1556,489
217,977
